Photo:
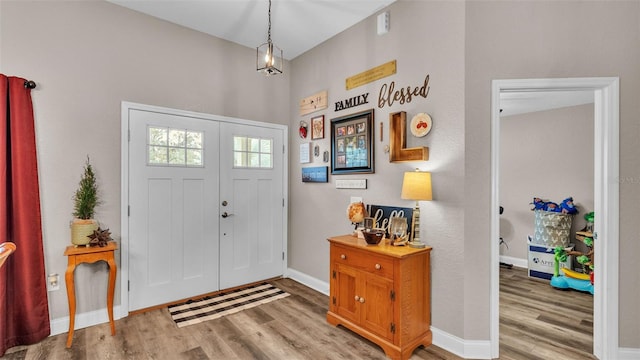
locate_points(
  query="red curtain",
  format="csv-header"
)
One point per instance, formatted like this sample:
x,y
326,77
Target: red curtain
x,y
24,311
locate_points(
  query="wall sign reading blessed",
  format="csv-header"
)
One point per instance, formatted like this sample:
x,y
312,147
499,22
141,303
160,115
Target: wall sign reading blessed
x,y
388,95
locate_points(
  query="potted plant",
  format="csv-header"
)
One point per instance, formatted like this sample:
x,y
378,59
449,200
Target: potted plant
x,y
85,202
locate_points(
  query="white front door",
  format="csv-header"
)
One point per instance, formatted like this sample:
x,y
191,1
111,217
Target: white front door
x,y
251,203
173,214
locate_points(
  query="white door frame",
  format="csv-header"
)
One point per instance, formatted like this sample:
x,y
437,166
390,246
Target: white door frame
x,y
124,183
606,202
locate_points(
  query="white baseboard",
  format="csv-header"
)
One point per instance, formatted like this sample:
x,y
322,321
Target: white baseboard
x,y
304,279
517,262
468,349
96,317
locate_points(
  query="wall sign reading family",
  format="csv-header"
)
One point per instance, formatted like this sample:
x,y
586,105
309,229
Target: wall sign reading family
x,y
352,143
352,101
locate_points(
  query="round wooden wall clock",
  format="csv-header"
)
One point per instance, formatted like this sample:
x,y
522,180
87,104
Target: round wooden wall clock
x,y
421,125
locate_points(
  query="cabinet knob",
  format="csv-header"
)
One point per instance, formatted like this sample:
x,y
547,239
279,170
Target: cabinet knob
x,y
378,266
357,298
343,256
361,300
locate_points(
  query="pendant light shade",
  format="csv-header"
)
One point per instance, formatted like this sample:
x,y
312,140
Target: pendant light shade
x,y
269,56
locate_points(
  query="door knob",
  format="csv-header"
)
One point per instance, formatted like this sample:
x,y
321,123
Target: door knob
x,y
225,215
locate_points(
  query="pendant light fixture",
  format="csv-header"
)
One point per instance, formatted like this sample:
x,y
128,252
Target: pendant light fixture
x,y
269,56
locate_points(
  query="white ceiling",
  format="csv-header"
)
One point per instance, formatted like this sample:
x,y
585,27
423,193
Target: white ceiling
x,y
299,25
296,25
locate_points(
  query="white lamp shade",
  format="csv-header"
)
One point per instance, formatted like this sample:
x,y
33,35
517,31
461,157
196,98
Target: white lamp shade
x,y
416,186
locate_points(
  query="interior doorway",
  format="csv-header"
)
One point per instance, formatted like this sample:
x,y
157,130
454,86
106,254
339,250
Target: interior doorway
x,y
546,151
606,159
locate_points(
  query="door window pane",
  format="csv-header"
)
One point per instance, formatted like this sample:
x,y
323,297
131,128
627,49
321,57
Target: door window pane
x,y
252,153
174,147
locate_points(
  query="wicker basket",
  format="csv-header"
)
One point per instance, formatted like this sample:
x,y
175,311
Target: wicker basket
x,y
80,231
552,228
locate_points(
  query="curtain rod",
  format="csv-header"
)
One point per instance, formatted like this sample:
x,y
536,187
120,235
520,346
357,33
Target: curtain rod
x,y
29,84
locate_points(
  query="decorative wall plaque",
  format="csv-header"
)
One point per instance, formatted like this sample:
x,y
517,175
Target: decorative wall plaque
x,y
314,103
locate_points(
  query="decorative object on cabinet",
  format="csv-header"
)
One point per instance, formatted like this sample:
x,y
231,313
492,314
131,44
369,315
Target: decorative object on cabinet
x,y
305,153
269,56
317,127
303,130
416,185
383,215
372,236
381,292
398,230
318,174
398,141
356,212
421,124
371,75
352,143
85,201
313,103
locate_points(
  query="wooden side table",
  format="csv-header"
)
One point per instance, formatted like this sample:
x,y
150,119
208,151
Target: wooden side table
x,y
79,255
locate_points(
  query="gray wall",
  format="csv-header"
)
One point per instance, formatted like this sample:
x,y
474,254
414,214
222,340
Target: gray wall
x,y
547,154
541,39
425,38
88,57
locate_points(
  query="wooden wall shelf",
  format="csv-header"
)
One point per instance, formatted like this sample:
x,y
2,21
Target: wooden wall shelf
x,y
398,141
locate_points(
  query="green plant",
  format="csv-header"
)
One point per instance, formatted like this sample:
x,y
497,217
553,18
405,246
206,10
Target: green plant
x,y
86,197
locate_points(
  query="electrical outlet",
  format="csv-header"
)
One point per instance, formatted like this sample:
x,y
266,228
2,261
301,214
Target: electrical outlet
x,y
356,199
53,282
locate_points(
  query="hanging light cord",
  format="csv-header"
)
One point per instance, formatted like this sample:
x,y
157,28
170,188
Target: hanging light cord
x,y
269,31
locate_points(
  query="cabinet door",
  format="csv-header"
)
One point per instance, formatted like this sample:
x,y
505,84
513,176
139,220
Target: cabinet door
x,y
345,293
377,308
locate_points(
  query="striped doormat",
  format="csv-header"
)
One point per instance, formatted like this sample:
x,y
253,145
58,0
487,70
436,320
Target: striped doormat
x,y
225,303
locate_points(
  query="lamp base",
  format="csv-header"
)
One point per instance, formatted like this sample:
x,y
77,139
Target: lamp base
x,y
417,244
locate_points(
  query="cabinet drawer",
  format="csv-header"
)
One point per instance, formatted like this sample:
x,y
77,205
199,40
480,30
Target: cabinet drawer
x,y
363,260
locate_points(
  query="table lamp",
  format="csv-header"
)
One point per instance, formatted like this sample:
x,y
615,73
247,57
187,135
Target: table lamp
x,y
416,186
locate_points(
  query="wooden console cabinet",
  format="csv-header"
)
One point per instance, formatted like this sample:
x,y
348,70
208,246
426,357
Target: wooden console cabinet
x,y
381,292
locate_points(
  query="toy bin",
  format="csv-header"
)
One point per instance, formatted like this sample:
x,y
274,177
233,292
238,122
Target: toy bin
x,y
541,260
551,228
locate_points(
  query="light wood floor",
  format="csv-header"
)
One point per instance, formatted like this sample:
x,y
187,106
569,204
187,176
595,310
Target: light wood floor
x,y
538,321
295,328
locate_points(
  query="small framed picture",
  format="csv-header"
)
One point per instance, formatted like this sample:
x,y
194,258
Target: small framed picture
x,y
317,127
318,174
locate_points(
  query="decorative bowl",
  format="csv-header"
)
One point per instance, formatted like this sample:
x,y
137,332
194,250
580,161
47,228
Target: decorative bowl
x,y
373,237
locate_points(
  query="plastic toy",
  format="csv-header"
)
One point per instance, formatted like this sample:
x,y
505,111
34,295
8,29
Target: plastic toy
x,y
570,279
565,207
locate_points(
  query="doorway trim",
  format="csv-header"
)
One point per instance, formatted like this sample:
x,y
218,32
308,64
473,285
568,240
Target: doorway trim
x,y
606,202
123,272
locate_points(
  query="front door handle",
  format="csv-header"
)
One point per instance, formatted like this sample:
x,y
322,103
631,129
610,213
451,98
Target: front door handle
x,y
225,215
